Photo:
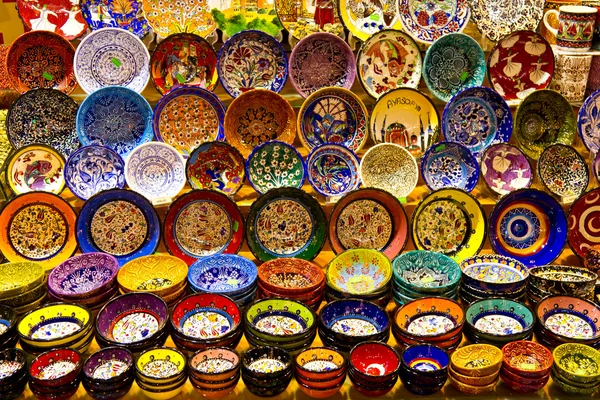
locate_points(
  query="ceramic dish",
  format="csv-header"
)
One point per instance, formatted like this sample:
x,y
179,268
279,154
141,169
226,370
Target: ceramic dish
x,y
389,167
561,279
19,277
354,320
319,363
425,360
275,164
129,18
54,324
582,214
527,358
496,20
223,273
499,319
83,276
477,360
504,169
430,318
156,273
264,363
494,273
375,361
214,364
14,362
217,166
359,271
50,53
290,276
193,17
363,21
112,57
35,168
426,271
587,124
56,368
279,319
161,365
111,365
426,23
333,170
577,362
206,316
569,319
448,164
25,298
567,183
67,22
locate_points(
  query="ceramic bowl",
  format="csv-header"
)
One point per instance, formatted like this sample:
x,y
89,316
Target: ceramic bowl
x,y
560,279
359,271
477,360
317,393
499,321
290,276
569,319
64,393
470,389
83,276
27,297
162,366
381,300
449,165
162,394
319,363
189,346
322,383
332,169
448,344
514,380
159,274
426,360
279,320
494,273
568,184
14,363
426,271
109,367
214,393
474,380
307,298
214,364
55,368
374,362
91,302
527,359
216,385
266,362
577,362
371,390
570,388
111,395
430,318
19,277
227,274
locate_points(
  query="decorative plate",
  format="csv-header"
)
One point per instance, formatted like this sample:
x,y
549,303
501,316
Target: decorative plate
x,y
92,169
97,122
35,168
273,165
5,82
453,63
41,60
285,222
519,64
333,170
184,59
125,15
187,117
496,19
449,164
544,118
160,274
54,113
563,171
62,17
118,222
528,225
112,57
38,227
451,222
427,21
259,116
321,60
217,166
156,171
223,273
505,168
477,118
583,222
405,117
191,16
588,122
596,166
365,19
303,18
389,167
333,115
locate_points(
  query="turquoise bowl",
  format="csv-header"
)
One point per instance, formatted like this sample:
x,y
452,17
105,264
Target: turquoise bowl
x,y
426,272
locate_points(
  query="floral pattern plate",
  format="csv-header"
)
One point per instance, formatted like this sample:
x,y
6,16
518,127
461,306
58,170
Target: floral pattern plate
x,y
62,17
191,16
498,18
428,20
389,167
588,122
123,14
583,222
505,168
566,182
449,164
217,166
302,18
35,168
333,170
364,19
275,164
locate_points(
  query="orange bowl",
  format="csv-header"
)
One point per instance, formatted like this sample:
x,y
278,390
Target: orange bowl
x,y
290,276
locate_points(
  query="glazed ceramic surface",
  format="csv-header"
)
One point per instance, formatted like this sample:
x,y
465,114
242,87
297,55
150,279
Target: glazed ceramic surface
x,y
569,317
427,21
108,364
20,277
5,146
430,317
160,363
583,217
579,362
273,165
560,279
424,270
83,274
303,18
35,168
155,273
390,167
359,271
449,164
217,166
61,17
571,74
222,273
333,170
499,317
567,183
588,122
477,360
279,317
125,15
494,269
505,168
496,19
354,318
193,16
53,322
364,20
596,166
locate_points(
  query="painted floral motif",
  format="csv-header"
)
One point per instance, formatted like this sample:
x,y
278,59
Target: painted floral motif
x,y
443,226
426,277
192,16
278,325
502,17
333,170
389,167
354,327
160,368
119,228
133,327
205,325
359,271
5,146
320,366
85,279
54,330
430,325
38,232
257,125
289,280
580,364
266,366
203,228
217,166
569,325
563,171
124,14
364,224
154,284
224,273
214,365
36,169
428,20
498,324
305,17
506,169
449,165
8,368
56,369
571,75
274,165
494,273
109,369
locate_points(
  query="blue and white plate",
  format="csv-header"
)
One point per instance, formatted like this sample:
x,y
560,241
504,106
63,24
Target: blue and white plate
x,y
588,122
115,14
333,170
92,169
115,117
223,273
449,164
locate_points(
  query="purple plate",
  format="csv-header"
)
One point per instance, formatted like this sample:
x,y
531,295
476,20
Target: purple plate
x,y
505,169
83,276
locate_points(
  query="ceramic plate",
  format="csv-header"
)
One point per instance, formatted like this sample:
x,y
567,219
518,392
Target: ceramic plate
x,y
583,222
451,222
321,60
528,225
217,166
477,118
35,168
545,117
191,16
596,166
496,19
126,15
426,21
519,64
38,227
92,169
363,19
156,171
302,18
5,146
448,164
369,219
285,222
405,117
333,115
54,113
97,122
588,122
223,273
389,167
505,168
187,117
273,165
563,171
62,17
112,57
118,222
333,170
41,60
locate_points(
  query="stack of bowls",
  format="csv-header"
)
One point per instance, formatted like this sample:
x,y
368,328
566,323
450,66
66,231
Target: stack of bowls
x,y
292,278
215,372
13,378
55,374
23,286
430,320
204,320
108,373
525,366
576,369
498,321
373,368
345,323
266,371
422,273
282,323
56,326
320,372
475,369
8,328
424,369
161,373
359,274
553,280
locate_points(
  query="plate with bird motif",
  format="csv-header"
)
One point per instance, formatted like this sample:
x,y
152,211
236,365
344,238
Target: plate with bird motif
x,y
35,168
217,166
333,170
449,164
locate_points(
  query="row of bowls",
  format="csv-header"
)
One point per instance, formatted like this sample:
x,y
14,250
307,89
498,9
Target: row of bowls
x,y
576,369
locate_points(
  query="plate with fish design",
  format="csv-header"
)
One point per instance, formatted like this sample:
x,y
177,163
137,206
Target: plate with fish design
x,y
35,168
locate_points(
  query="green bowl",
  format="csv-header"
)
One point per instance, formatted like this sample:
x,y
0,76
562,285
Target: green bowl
x,y
426,271
577,362
499,318
359,271
571,388
279,320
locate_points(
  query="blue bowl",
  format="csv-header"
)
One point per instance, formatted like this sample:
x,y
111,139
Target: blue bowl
x,y
425,360
426,271
227,274
353,321
494,274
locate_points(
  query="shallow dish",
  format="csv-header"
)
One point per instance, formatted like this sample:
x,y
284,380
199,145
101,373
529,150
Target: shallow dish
x,y
499,319
110,365
567,183
495,20
577,362
477,360
581,217
279,320
228,274
333,170
359,271
449,164
158,274
425,24
562,279
430,318
527,359
161,366
389,167
494,273
290,276
56,368
426,271
216,166
214,364
35,168
19,277
569,319
83,276
504,169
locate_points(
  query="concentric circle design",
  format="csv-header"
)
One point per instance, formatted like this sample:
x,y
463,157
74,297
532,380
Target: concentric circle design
x,y
523,228
584,222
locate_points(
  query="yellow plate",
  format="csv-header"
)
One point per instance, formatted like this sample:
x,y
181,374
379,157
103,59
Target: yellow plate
x,y
49,312
36,168
374,17
158,274
19,277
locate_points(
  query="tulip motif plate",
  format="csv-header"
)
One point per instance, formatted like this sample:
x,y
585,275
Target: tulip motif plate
x,y
505,168
364,19
563,171
123,14
496,19
389,167
428,20
449,164
333,170
62,17
217,166
273,165
35,168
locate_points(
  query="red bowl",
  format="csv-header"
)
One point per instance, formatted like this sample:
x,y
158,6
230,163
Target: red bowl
x,y
374,361
303,297
525,381
372,391
320,393
322,384
314,277
522,387
40,374
205,300
536,359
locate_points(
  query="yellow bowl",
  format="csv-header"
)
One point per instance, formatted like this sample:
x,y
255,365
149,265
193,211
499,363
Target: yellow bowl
x,y
359,271
163,395
26,298
157,273
470,389
38,327
477,360
19,277
169,373
577,362
474,380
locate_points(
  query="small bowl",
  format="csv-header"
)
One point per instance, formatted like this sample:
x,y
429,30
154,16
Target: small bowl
x,y
266,362
320,393
448,345
353,321
266,391
215,385
305,298
369,391
26,298
470,389
19,277
13,364
563,280
426,271
157,273
64,392
55,368
94,301
578,363
374,361
499,320
477,360
494,273
319,363
426,361
161,366
291,347
322,384
527,359
430,318
569,319
163,394
514,379
214,393
290,277
227,274
8,323
572,389
279,320
109,366
214,364
114,394
474,380
359,271
84,276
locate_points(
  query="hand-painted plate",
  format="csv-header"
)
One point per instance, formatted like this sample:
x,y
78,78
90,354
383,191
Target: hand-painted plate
x,y
333,115
451,222
545,117
252,60
588,122
496,19
184,59
191,16
302,18
35,168
389,167
38,227
333,170
528,225
285,222
112,57
118,222
62,17
364,19
54,114
123,14
583,222
41,60
505,168
92,169
563,171
321,60
115,117
217,166
427,21
369,218
596,166
449,164
273,165
5,146
202,223
187,117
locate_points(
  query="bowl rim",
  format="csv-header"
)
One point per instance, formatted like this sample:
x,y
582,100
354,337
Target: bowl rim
x,y
413,287
338,368
369,303
386,376
265,375
202,268
262,279
458,324
139,372
387,278
86,325
538,268
504,299
305,331
114,378
193,369
113,266
558,335
557,365
493,366
189,296
426,373
469,263
76,370
529,344
162,291
15,291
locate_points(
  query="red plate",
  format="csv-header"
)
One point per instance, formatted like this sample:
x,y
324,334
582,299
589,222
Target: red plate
x,y
59,16
584,222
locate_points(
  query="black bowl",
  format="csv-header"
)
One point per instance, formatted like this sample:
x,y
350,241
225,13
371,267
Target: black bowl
x,y
370,389
266,391
74,384
273,353
412,376
16,356
102,356
104,387
418,387
15,383
8,316
14,393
